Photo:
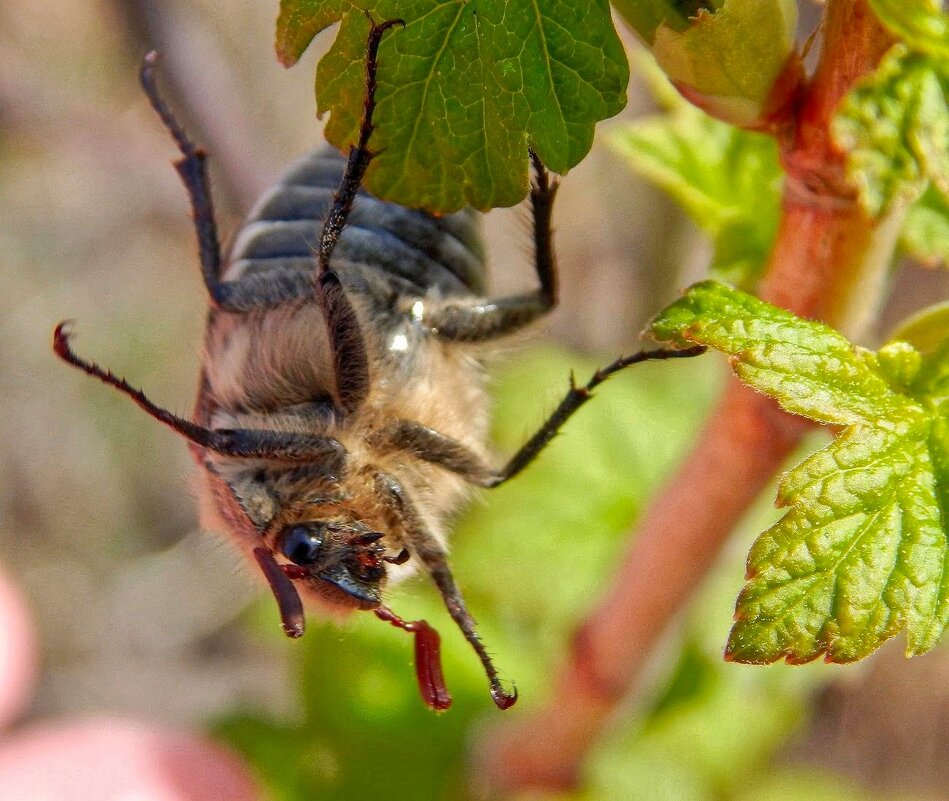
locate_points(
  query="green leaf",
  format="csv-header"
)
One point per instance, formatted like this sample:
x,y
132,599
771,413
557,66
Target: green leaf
x,y
926,330
726,56
920,23
894,126
861,553
727,180
297,23
464,89
925,234
646,16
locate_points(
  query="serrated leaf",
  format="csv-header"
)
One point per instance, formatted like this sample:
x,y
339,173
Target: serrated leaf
x,y
923,24
894,126
925,233
727,180
464,89
726,56
861,553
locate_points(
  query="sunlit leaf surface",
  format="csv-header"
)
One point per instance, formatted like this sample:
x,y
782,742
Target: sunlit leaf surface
x,y
861,553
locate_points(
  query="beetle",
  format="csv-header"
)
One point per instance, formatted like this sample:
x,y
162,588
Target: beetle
x,y
341,413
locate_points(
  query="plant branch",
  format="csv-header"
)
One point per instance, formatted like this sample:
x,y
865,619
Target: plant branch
x,y
828,262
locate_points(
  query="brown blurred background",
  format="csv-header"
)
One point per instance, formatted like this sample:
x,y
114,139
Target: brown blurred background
x,y
138,610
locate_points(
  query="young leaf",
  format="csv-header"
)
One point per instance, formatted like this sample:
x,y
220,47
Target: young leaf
x,y
926,330
725,56
464,89
727,180
925,234
861,553
894,126
920,23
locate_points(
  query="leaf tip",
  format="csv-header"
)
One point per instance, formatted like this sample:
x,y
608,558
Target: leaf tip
x,y
284,57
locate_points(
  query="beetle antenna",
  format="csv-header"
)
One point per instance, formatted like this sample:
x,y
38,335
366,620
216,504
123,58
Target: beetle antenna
x,y
428,663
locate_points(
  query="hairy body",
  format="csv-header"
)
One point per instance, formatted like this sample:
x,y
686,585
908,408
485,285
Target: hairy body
x,y
341,409
272,368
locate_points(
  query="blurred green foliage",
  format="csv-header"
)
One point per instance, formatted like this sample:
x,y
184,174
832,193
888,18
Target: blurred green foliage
x,y
923,24
925,234
726,179
527,556
894,126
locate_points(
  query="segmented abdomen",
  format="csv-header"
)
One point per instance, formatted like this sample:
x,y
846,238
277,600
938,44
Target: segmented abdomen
x,y
419,252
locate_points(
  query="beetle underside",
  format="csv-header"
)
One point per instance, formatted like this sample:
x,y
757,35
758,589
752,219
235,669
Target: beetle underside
x,y
328,504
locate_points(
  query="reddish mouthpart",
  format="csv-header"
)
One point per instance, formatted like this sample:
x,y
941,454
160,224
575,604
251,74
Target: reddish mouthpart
x,y
288,599
428,663
293,571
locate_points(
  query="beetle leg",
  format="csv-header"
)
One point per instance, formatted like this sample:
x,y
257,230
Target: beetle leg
x,y
435,448
192,168
426,548
486,319
431,446
239,442
349,348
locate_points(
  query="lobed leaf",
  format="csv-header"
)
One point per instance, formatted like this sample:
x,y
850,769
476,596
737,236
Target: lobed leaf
x,y
464,89
726,179
894,126
926,330
861,553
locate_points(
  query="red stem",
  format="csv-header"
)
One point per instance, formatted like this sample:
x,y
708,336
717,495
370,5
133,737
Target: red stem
x,y
826,255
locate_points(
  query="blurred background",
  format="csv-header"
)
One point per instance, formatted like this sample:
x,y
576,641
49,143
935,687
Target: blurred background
x,y
142,615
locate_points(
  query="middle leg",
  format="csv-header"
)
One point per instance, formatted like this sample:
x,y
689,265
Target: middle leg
x,y
431,446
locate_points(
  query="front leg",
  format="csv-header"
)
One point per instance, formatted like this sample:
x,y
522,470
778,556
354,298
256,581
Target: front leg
x,y
423,545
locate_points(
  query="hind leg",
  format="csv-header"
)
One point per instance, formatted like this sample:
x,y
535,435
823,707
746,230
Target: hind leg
x,y
487,319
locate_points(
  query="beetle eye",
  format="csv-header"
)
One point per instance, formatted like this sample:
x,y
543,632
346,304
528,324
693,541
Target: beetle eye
x,y
301,545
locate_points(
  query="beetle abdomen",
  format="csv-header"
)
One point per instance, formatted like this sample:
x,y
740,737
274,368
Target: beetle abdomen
x,y
275,247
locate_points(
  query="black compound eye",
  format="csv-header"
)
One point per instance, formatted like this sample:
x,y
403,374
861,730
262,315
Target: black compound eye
x,y
301,545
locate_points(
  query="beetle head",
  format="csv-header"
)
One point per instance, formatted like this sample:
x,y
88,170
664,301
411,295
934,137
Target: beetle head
x,y
340,559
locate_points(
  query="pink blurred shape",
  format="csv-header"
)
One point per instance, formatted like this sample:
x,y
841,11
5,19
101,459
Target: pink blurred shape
x,y
110,759
18,653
